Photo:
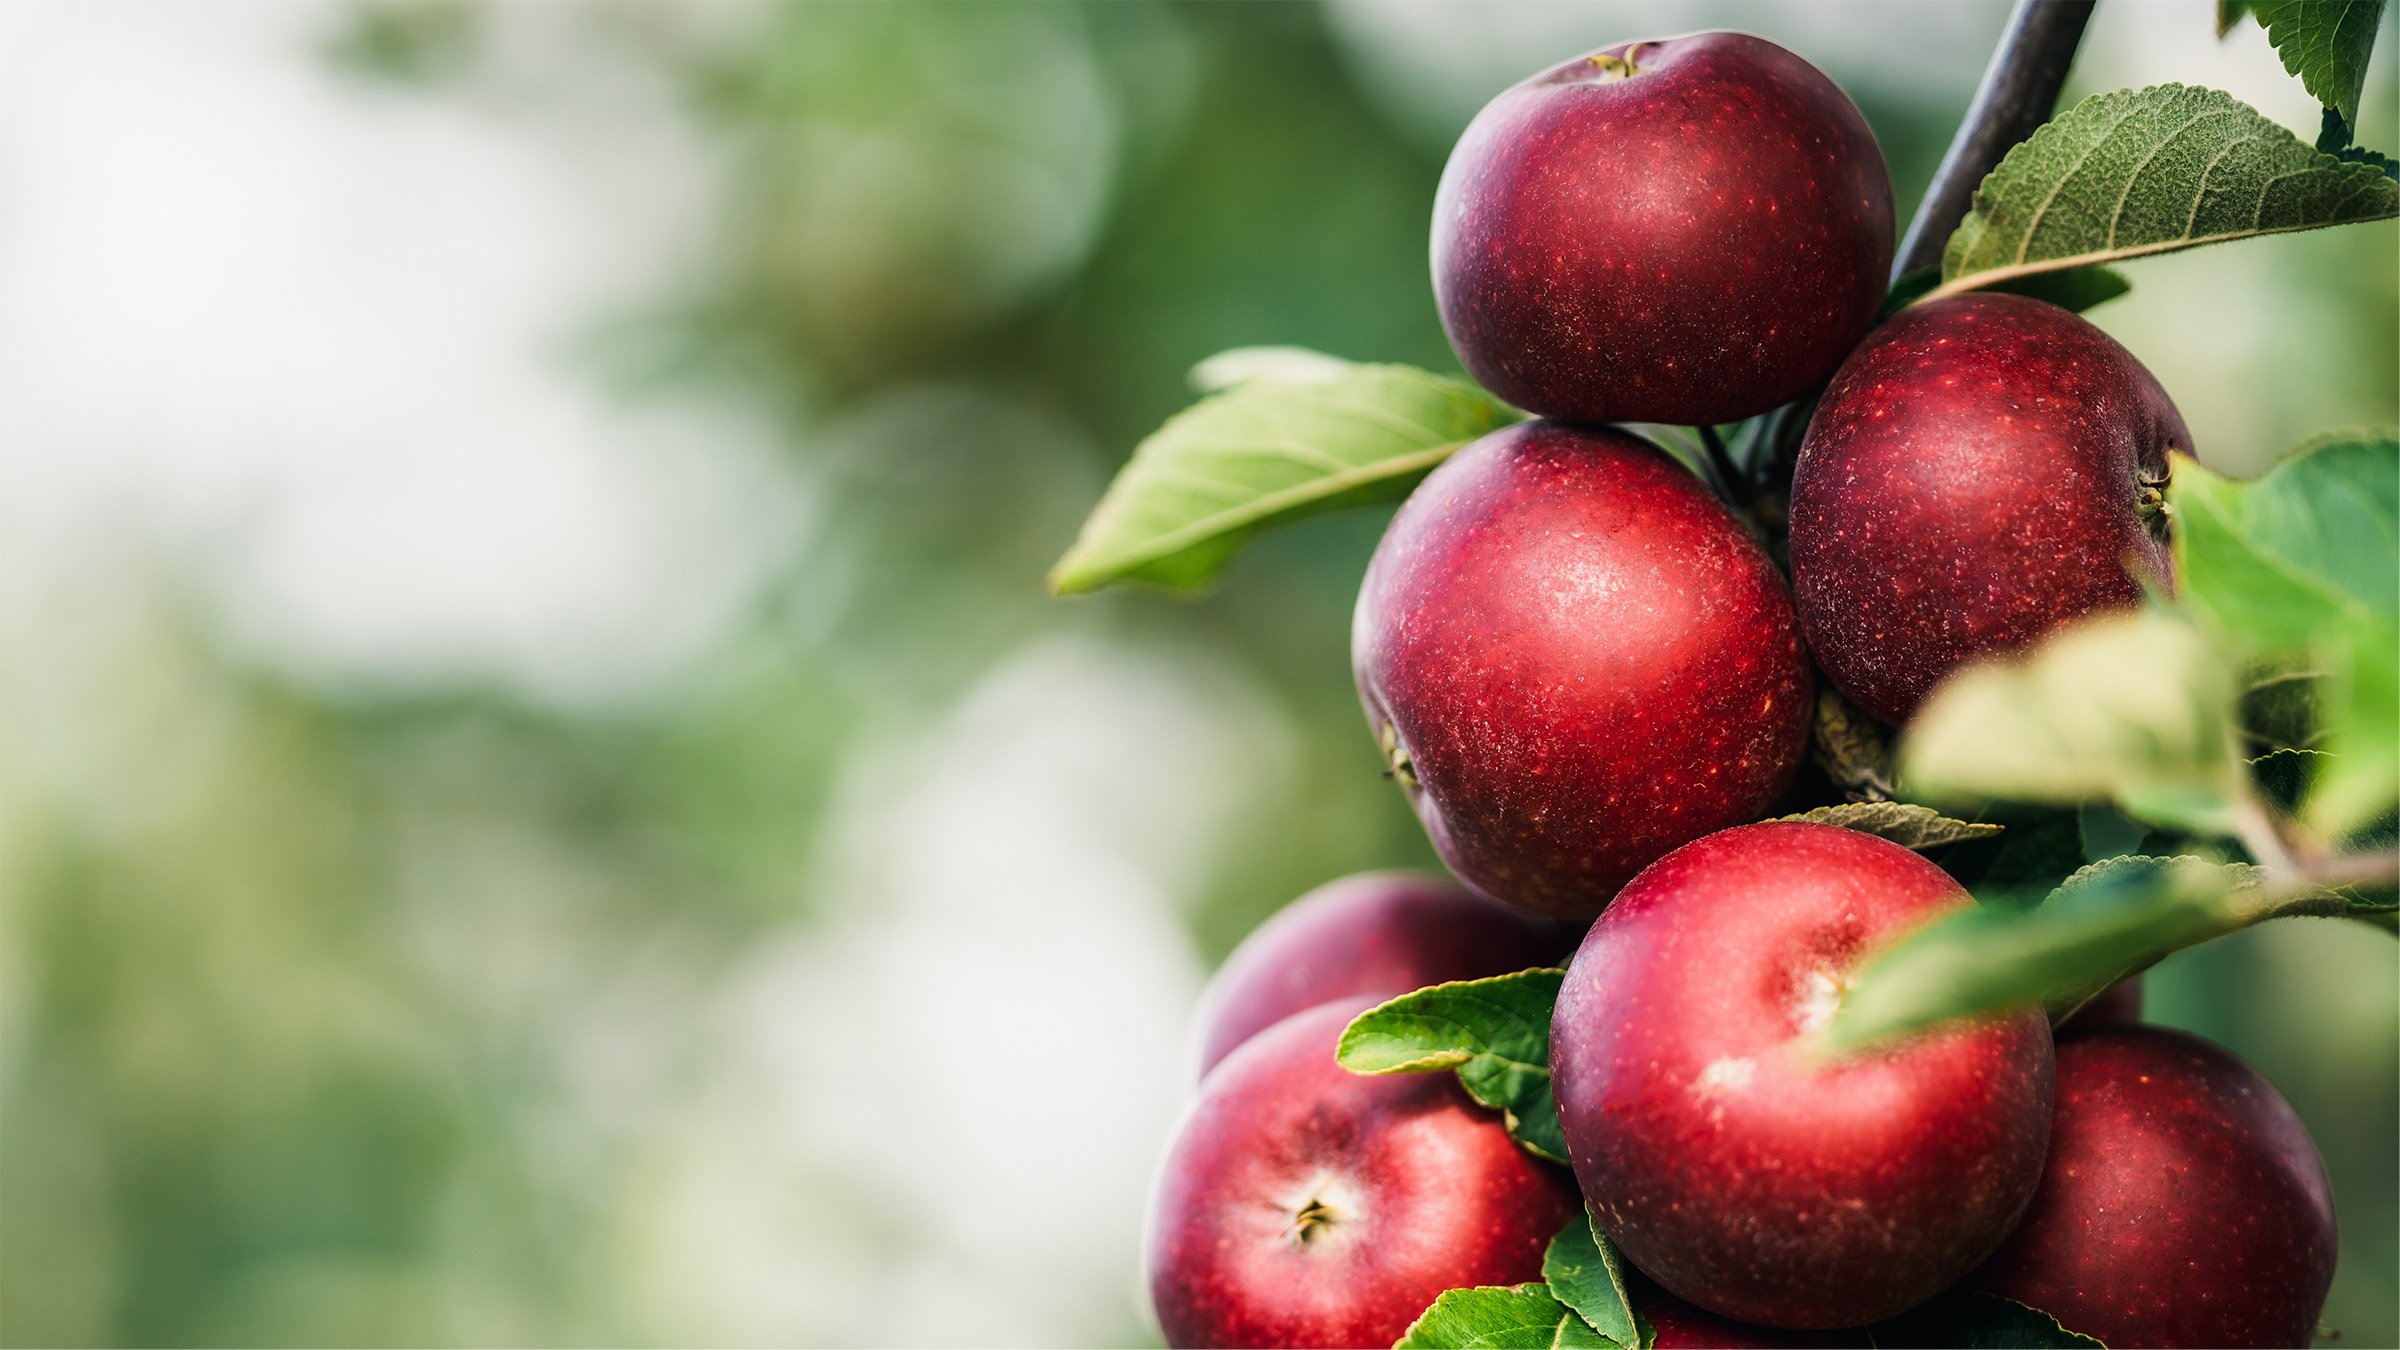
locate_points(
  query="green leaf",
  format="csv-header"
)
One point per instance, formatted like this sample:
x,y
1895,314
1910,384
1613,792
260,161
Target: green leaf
x,y
1495,1032
1965,1319
1523,1317
1293,365
2333,137
2300,560
2309,544
1904,823
2076,288
1585,1271
2106,921
2279,704
2137,707
1289,438
2327,43
2132,173
2229,13
2042,848
1853,749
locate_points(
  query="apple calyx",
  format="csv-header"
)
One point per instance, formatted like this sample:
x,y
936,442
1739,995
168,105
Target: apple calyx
x,y
1397,765
1314,1219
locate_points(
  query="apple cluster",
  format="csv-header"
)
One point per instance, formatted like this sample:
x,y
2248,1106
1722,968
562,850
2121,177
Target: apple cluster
x,y
1594,683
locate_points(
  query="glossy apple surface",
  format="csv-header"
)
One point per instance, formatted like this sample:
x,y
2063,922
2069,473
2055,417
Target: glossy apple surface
x,y
2183,1205
1690,230
1577,660
1983,470
1680,1326
1730,1164
1379,935
1304,1205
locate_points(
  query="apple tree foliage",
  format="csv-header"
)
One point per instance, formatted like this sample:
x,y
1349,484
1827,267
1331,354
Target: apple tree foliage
x,y
2134,785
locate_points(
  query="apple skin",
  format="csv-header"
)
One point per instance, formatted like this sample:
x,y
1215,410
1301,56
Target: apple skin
x,y
2183,1205
1378,934
1725,1163
1584,660
1680,1326
1974,477
1697,243
1425,1192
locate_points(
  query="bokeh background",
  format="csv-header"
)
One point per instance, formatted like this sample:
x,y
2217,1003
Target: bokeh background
x,y
541,797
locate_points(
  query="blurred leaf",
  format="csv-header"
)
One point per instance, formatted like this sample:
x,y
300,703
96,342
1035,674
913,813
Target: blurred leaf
x,y
2283,776
2300,560
2107,921
2360,778
2229,13
2333,137
2136,707
2279,705
1495,1032
1904,823
1524,1317
2107,832
2327,43
1586,1272
2309,544
1296,365
2130,173
1269,449
2076,288
1966,1319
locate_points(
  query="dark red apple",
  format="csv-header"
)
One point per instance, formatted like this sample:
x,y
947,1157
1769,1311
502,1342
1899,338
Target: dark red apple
x,y
1576,660
1690,230
2120,1002
1983,470
1304,1205
1729,1161
1680,1326
1380,934
2183,1203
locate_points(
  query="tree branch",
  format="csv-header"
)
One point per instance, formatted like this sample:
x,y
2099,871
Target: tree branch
x,y
2019,92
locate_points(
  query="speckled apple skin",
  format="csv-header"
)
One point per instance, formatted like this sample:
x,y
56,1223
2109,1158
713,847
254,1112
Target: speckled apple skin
x,y
2183,1205
1733,1170
1378,934
1587,661
1701,242
1972,480
1429,1194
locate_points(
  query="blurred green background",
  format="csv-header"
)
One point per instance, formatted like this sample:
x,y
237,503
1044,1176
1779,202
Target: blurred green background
x,y
541,798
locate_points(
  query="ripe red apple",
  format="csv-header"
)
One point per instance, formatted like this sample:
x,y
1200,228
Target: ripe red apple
x,y
2183,1203
1379,934
1691,230
1680,1326
1304,1205
1984,469
1576,660
1728,1161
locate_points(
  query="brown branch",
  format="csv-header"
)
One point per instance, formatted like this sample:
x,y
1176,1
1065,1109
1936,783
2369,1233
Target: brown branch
x,y
2019,92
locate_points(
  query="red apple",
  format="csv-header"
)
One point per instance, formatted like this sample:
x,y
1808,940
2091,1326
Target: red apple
x,y
2183,1203
1678,1325
1729,1161
1983,470
1576,660
1380,934
1690,230
1304,1205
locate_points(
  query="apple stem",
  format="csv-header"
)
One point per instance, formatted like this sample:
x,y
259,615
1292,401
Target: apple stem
x,y
2018,93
